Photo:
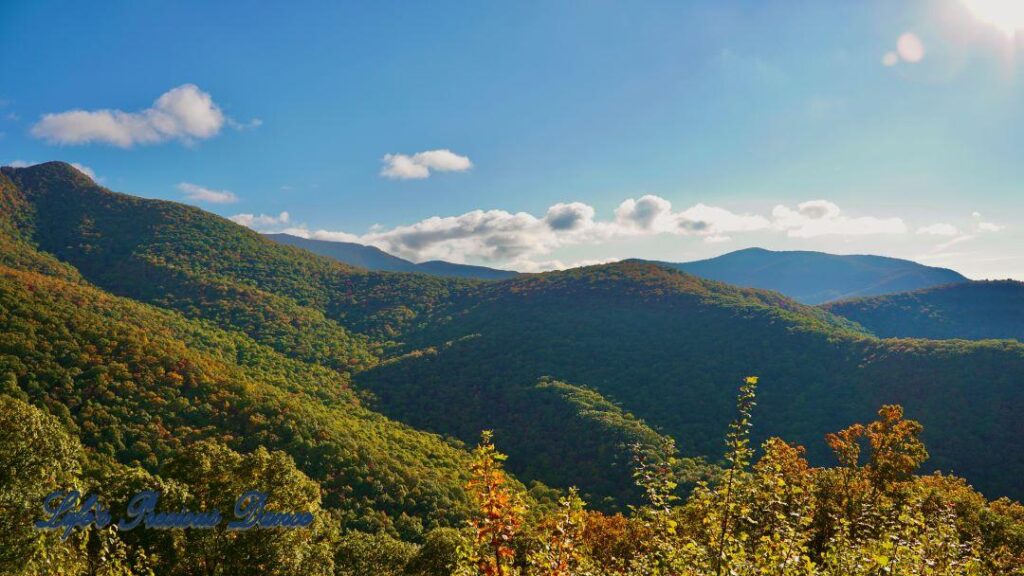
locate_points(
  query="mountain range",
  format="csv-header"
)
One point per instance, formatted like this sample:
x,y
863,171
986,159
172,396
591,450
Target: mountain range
x,y
373,258
146,325
817,277
808,277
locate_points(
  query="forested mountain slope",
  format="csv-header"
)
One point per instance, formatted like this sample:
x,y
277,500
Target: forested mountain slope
x,y
141,384
373,258
971,310
205,266
251,367
312,312
816,277
669,347
633,350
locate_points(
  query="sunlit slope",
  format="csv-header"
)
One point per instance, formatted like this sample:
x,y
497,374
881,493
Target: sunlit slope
x,y
206,266
139,384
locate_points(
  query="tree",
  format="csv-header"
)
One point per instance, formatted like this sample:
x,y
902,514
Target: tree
x,y
215,477
438,555
37,457
500,511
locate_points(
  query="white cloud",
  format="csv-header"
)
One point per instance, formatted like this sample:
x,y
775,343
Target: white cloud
x,y
939,229
653,214
303,232
984,226
185,113
491,235
522,241
198,193
571,216
20,164
648,213
711,220
419,165
261,222
87,171
241,126
823,218
548,265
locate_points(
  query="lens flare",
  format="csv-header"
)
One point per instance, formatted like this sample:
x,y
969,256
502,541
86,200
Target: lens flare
x,y
1006,15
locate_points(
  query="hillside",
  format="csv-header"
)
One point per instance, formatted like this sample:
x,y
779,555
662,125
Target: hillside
x,y
969,310
669,347
309,310
817,277
205,266
373,258
633,351
140,385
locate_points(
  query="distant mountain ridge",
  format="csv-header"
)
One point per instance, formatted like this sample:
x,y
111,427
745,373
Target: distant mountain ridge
x,y
818,277
373,258
970,310
632,351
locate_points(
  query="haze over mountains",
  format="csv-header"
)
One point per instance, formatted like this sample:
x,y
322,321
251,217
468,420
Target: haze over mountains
x,y
167,324
373,258
808,277
816,277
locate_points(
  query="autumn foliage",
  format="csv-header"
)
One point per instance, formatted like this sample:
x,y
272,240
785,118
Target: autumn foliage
x,y
773,515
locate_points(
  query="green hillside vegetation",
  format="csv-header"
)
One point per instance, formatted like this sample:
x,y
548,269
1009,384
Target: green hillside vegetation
x,y
202,476
662,343
308,308
773,514
147,343
139,385
558,433
181,257
970,310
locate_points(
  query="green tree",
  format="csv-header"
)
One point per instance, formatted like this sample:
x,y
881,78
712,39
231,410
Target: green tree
x,y
37,456
362,554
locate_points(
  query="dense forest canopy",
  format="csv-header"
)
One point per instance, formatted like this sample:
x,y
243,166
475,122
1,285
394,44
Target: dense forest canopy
x,y
970,310
138,338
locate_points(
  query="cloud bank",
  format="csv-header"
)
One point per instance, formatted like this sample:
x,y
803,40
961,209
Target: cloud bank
x,y
524,241
824,218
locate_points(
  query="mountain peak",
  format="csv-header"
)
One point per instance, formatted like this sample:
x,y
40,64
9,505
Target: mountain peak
x,y
818,277
52,171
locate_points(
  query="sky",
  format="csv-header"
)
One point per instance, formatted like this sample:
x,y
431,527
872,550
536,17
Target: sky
x,y
542,135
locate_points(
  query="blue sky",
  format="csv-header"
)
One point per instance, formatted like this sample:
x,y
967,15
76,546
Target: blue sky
x,y
537,135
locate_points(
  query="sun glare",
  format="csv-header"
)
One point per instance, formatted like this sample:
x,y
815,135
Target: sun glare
x,y
1006,15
